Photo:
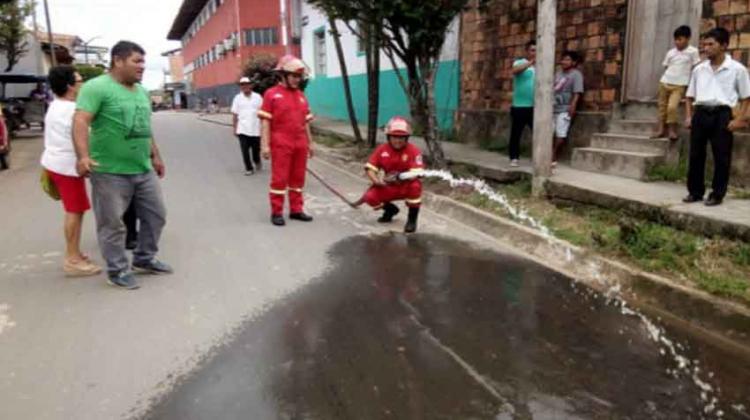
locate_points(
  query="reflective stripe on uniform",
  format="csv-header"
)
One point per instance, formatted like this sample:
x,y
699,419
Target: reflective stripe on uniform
x,y
279,192
299,190
372,167
264,114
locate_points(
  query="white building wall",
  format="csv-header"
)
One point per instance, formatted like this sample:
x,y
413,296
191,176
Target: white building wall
x,y
313,20
28,64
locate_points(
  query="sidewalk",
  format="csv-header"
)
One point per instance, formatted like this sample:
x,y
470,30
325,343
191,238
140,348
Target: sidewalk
x,y
659,201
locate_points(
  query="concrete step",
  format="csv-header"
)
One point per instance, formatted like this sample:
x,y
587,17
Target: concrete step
x,y
630,143
645,127
637,111
615,162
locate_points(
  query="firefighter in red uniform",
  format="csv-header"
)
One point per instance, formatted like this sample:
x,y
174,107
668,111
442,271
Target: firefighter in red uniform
x,y
394,169
285,138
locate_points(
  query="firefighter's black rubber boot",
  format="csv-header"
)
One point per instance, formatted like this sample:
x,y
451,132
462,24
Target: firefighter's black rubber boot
x,y
389,212
411,223
302,217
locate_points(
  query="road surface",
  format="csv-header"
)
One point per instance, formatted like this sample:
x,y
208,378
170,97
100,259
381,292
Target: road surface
x,y
337,319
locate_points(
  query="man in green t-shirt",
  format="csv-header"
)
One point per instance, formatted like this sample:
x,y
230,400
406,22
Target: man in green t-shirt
x,y
115,148
522,109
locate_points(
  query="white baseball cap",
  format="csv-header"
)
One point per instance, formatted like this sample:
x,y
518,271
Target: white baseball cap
x,y
245,80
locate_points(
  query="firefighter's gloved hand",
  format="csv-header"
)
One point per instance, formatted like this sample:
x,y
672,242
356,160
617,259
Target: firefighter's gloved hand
x,y
391,178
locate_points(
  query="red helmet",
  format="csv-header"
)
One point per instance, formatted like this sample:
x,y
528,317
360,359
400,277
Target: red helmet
x,y
291,64
398,126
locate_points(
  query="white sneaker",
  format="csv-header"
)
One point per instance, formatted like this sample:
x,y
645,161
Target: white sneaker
x,y
514,163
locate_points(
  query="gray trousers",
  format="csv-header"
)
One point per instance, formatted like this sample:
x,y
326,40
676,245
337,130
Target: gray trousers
x,y
112,193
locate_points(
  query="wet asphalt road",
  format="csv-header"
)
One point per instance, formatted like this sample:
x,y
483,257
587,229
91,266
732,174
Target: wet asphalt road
x,y
79,349
431,328
339,319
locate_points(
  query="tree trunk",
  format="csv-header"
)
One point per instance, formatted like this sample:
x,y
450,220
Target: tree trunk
x,y
422,105
345,80
372,52
431,131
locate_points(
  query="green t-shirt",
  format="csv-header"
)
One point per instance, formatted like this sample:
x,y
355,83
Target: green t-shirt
x,y
120,139
523,86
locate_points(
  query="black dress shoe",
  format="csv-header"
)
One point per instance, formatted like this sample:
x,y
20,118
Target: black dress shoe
x,y
278,220
713,201
691,199
302,217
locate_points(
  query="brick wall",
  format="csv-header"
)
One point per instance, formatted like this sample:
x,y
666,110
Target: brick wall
x,y
733,15
493,38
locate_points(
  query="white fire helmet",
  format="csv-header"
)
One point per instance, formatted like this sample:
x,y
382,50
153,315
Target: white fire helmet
x,y
398,126
291,64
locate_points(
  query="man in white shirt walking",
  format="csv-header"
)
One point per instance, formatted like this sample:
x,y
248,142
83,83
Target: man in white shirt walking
x,y
716,86
246,123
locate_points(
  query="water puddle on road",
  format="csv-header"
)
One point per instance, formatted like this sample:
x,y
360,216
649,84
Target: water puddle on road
x,y
424,327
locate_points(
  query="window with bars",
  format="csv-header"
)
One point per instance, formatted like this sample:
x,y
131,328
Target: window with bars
x,y
319,49
261,36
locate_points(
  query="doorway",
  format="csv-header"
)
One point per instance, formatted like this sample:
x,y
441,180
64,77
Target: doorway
x,y
651,24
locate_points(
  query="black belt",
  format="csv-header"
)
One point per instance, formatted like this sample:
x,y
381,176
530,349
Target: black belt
x,y
713,109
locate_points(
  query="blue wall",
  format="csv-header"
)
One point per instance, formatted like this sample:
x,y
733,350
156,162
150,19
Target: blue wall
x,y
326,95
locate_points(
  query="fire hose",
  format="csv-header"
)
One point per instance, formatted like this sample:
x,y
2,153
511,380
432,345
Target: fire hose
x,y
330,188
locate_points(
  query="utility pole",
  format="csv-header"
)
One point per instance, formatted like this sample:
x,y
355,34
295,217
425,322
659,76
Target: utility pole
x,y
546,23
37,51
53,53
284,32
240,35
86,48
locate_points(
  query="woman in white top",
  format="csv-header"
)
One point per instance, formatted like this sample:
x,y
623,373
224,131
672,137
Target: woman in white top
x,y
59,160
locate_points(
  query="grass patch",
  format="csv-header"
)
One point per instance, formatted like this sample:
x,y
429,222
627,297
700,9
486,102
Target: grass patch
x,y
658,247
740,194
517,190
333,141
741,255
719,266
669,173
724,285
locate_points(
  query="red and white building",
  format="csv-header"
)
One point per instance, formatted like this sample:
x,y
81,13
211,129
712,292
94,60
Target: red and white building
x,y
219,36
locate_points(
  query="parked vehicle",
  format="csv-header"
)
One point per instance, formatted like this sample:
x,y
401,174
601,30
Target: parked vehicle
x,y
17,112
21,111
4,144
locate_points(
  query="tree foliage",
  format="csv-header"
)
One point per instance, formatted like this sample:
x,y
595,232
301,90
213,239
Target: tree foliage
x,y
259,68
361,17
13,32
88,71
412,34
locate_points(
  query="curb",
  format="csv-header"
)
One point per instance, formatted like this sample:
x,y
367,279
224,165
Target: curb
x,y
714,319
698,224
717,320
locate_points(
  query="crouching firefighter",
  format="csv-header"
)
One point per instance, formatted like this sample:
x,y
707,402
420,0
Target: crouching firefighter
x,y
394,170
285,138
